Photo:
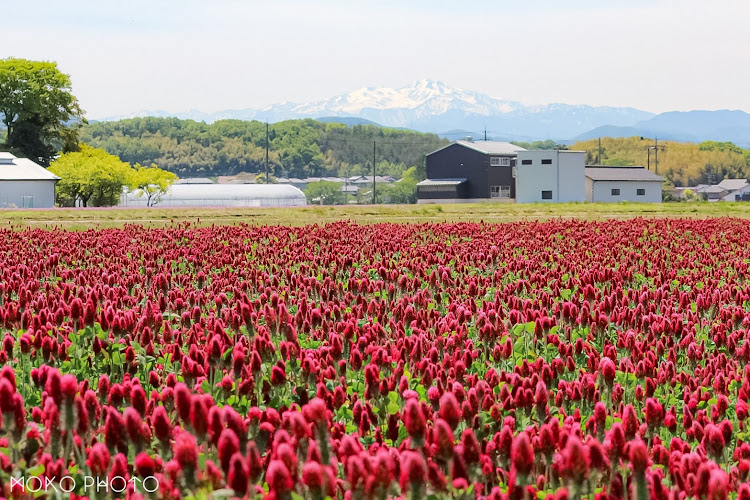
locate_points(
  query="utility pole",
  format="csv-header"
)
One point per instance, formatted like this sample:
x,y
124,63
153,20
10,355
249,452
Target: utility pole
x,y
599,159
656,148
373,172
266,151
485,134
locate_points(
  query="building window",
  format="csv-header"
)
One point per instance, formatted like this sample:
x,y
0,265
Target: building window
x,y
499,191
615,192
499,161
640,192
525,162
547,162
546,195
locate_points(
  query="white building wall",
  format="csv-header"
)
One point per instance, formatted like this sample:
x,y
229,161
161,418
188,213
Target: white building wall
x,y
564,176
572,176
738,192
601,191
42,193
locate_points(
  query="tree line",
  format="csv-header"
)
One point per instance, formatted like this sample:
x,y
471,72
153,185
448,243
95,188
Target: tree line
x,y
297,148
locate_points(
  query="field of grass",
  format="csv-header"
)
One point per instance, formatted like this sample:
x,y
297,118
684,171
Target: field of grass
x,y
79,219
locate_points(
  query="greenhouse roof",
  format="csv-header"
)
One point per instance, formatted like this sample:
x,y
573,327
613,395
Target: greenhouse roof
x,y
231,191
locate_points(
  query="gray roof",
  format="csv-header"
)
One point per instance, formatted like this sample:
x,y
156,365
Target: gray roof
x,y
441,182
23,169
714,190
487,147
733,184
600,173
367,179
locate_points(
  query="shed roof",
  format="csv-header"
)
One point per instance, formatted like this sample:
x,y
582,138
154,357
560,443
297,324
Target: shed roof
x,y
604,173
441,182
13,168
486,147
733,184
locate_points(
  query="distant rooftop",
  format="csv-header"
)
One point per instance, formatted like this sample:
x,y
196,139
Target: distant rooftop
x,y
608,173
13,168
733,184
195,180
714,190
487,147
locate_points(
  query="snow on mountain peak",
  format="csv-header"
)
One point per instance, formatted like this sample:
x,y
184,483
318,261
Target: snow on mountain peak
x,y
423,96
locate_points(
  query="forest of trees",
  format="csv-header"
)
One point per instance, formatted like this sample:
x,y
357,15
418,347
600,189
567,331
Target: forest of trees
x,y
298,148
682,163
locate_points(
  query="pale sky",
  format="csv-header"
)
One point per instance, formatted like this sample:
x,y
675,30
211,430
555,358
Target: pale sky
x,y
130,55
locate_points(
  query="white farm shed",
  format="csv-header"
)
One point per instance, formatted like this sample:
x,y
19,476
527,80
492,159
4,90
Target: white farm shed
x,y
613,184
25,184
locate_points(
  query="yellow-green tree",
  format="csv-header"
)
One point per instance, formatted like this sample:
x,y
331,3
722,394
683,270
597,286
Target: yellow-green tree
x,y
151,182
90,176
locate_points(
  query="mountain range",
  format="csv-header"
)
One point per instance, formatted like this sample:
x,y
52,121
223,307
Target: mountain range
x,y
432,106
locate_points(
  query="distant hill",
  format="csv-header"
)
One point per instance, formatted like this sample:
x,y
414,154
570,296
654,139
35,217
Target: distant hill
x,y
349,121
683,163
298,148
692,126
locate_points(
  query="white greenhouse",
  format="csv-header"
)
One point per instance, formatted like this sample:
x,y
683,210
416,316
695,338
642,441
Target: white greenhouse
x,y
222,195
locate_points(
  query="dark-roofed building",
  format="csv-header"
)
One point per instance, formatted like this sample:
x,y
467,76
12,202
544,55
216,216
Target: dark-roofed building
x,y
612,184
470,171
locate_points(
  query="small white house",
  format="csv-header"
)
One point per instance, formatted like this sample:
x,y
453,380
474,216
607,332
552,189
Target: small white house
x,y
550,176
613,184
736,189
25,184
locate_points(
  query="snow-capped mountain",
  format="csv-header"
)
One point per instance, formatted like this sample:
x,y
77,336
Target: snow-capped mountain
x,y
432,106
425,97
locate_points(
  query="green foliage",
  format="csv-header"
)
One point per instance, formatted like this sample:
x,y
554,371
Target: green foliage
x,y
547,145
36,103
720,146
261,179
403,191
324,193
682,163
96,178
90,175
297,148
151,182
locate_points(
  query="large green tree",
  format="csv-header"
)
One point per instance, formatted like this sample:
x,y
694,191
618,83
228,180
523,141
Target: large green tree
x,y
36,106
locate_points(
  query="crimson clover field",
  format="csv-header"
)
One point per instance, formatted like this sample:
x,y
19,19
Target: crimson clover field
x,y
567,359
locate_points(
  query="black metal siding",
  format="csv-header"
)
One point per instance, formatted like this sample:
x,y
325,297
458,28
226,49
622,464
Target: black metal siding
x,y
457,161
425,193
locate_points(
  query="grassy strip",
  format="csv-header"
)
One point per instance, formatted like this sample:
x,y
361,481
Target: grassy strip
x,y
80,219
